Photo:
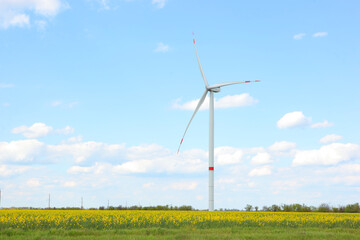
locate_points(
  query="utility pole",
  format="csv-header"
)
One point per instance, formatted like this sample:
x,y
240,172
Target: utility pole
x,y
82,206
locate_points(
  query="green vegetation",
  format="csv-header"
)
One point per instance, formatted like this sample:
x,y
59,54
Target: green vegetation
x,y
187,233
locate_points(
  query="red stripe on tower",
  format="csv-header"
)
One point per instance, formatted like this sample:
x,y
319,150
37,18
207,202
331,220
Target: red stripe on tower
x,y
211,168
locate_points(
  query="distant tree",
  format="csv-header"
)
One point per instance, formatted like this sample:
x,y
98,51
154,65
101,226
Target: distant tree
x,y
324,207
248,208
352,208
286,208
256,208
275,208
313,209
186,208
305,208
342,209
297,207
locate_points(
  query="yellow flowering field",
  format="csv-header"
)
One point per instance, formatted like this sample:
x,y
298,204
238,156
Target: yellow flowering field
x,y
95,219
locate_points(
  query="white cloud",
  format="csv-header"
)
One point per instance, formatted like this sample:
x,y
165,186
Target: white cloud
x,y
147,151
282,146
82,151
144,159
261,158
298,119
162,48
75,139
260,171
79,169
21,151
187,162
299,36
320,34
138,159
19,20
293,119
226,180
251,184
98,168
35,131
70,184
16,12
322,124
348,180
138,166
39,129
330,138
148,185
343,168
8,170
159,3
285,185
227,155
6,104
327,155
66,130
33,182
182,186
225,102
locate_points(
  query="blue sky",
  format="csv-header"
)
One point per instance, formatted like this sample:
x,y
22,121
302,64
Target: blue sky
x,y
95,96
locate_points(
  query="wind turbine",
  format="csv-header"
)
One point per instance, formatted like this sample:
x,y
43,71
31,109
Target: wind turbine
x,y
211,89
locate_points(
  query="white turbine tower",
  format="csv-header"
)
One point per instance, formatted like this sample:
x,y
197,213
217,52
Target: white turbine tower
x,y
211,89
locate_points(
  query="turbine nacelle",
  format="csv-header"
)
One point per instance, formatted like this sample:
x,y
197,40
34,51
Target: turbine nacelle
x,y
214,89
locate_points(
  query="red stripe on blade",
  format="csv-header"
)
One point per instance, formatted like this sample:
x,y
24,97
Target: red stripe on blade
x,y
181,141
257,80
247,81
211,168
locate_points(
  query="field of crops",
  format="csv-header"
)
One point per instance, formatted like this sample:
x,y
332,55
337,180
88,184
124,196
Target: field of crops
x,y
111,220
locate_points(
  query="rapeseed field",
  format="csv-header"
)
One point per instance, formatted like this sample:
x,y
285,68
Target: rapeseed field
x,y
110,220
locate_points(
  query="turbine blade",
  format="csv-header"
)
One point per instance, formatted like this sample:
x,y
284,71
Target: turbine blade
x,y
229,83
202,99
201,70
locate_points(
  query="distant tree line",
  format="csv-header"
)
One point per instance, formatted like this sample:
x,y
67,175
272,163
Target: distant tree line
x,y
324,207
158,207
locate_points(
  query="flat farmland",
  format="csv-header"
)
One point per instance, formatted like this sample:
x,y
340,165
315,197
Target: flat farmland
x,y
96,224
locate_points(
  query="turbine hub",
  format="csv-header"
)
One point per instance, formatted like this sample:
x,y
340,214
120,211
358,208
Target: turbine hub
x,y
215,90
